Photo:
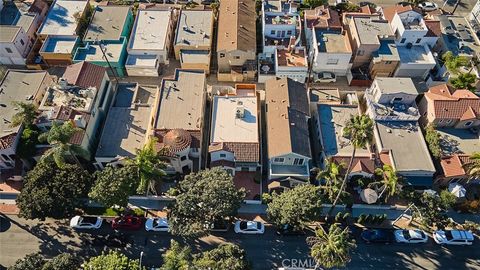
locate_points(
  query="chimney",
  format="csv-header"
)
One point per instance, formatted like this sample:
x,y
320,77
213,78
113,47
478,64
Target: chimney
x,y
80,121
240,110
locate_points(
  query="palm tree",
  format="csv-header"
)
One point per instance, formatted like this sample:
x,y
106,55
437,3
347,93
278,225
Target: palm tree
x,y
389,181
360,132
25,116
59,137
473,167
150,167
330,174
331,249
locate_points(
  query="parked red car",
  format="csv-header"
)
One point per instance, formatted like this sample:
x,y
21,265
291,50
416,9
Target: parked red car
x,y
127,222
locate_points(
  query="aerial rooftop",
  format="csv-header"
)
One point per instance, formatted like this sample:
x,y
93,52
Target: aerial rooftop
x,y
322,17
332,41
389,85
458,141
195,28
17,86
150,30
181,101
287,129
59,44
458,36
408,148
236,26
371,29
107,23
415,54
227,126
113,51
295,58
127,121
333,119
8,32
61,19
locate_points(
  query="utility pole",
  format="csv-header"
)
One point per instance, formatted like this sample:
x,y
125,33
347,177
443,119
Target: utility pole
x,y
102,48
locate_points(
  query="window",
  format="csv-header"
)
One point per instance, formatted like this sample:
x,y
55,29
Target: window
x,y
8,50
278,160
245,169
403,40
4,157
183,158
236,57
469,123
298,161
360,52
223,155
332,61
418,40
289,32
272,32
388,62
21,42
222,55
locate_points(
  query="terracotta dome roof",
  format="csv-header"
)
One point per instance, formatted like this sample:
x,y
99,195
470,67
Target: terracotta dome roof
x,y
177,140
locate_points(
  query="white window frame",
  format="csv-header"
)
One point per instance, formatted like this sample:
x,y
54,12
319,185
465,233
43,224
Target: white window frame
x,y
279,160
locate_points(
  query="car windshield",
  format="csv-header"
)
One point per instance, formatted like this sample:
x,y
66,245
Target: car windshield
x,y
448,235
158,223
243,225
89,220
406,235
259,225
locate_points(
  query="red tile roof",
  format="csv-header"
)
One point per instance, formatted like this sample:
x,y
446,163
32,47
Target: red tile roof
x,y
360,164
175,140
389,12
243,151
7,141
434,28
461,105
323,17
85,75
453,166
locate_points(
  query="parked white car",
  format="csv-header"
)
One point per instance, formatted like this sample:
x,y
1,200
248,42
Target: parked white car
x,y
453,237
410,236
249,227
428,6
85,222
156,224
324,77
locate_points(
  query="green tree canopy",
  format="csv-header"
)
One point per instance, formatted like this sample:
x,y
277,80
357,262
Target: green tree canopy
x,y
389,181
296,207
473,167
113,186
430,208
205,197
30,262
464,81
113,260
454,62
433,141
59,137
28,142
225,256
331,249
26,114
36,261
150,167
62,262
51,191
177,257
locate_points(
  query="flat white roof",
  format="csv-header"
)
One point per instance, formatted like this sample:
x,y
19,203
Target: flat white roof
x,y
150,30
59,44
195,28
141,61
226,127
61,17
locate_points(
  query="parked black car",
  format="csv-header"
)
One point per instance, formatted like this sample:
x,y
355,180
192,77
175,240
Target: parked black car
x,y
378,236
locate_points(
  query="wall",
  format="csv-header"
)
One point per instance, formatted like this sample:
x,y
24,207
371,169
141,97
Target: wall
x,y
214,156
19,51
233,58
383,68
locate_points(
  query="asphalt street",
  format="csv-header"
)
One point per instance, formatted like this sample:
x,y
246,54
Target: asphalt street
x,y
19,237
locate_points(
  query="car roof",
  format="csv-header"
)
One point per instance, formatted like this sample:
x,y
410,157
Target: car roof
x,y
415,233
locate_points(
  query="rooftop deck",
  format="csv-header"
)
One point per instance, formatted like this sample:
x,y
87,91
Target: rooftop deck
x,y
59,44
295,58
